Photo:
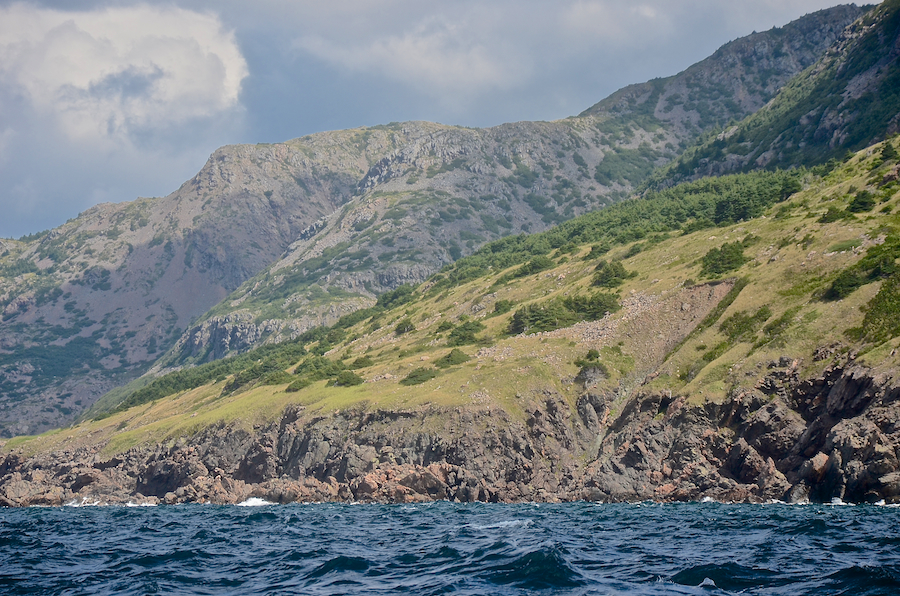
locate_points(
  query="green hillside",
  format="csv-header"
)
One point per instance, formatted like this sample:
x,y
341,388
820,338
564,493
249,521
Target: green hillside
x,y
811,263
846,101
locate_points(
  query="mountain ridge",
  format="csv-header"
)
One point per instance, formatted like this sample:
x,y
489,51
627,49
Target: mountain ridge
x,y
92,304
712,361
846,101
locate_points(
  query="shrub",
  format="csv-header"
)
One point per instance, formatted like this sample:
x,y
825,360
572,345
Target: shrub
x,y
452,358
882,319
445,325
598,250
862,202
847,282
611,274
298,385
404,326
590,359
419,375
557,313
465,334
277,378
396,297
879,262
346,378
502,306
361,362
832,215
535,265
729,257
741,326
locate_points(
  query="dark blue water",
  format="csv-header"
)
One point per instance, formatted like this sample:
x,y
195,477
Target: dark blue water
x,y
443,548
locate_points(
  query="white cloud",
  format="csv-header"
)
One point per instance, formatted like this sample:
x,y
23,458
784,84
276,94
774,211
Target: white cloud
x,y
115,74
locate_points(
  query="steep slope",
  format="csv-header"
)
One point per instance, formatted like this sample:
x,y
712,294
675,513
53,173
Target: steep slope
x,y
421,216
848,100
90,305
738,79
678,355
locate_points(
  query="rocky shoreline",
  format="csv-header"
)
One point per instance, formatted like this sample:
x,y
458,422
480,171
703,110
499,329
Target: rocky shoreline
x,y
791,439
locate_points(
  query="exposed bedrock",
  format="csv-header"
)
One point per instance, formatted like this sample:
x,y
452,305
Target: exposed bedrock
x,y
833,436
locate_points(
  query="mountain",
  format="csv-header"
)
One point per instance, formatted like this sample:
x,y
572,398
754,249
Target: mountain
x,y
737,80
408,231
296,234
847,100
734,338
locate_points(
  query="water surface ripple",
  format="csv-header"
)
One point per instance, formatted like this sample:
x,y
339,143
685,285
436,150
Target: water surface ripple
x,y
444,548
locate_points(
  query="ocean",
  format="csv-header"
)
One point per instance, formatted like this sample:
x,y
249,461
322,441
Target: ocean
x,y
448,548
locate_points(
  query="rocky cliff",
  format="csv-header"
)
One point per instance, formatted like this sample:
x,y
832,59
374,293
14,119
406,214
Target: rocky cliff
x,y
600,369
791,439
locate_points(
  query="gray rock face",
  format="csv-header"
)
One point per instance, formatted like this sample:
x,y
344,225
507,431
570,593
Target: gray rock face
x,y
830,437
288,236
844,102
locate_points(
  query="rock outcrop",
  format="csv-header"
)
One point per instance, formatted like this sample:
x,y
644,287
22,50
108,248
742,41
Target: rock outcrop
x,y
829,437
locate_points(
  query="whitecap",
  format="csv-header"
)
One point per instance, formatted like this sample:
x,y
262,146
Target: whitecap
x,y
131,504
707,500
85,502
504,524
255,502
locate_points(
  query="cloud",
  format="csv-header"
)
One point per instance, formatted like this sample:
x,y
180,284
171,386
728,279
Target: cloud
x,y
113,74
447,60
105,100
107,104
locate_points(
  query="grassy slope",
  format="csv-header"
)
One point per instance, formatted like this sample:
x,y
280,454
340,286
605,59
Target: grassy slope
x,y
792,260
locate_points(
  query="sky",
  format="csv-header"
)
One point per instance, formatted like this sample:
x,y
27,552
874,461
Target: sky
x,y
110,100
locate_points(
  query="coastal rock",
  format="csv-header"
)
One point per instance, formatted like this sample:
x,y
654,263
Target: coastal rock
x,y
832,436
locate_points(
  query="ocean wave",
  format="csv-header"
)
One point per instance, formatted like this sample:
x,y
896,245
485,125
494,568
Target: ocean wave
x,y
541,569
571,549
255,502
513,523
85,502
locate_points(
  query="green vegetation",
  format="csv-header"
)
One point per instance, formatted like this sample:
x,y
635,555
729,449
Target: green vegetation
x,y
248,367
502,306
453,358
879,262
535,265
562,312
741,326
728,257
346,378
404,326
611,274
862,202
418,376
626,166
716,200
361,362
19,267
464,334
784,134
